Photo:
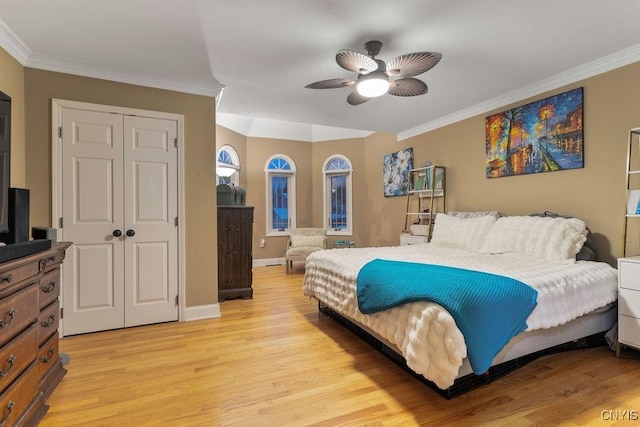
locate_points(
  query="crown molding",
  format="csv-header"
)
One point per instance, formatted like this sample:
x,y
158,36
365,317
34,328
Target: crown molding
x,y
10,42
44,62
13,44
590,69
280,129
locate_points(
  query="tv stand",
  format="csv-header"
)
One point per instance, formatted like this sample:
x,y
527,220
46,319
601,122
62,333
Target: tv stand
x,y
21,249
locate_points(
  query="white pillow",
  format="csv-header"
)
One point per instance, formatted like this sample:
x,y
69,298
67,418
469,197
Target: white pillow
x,y
473,214
307,241
554,239
462,233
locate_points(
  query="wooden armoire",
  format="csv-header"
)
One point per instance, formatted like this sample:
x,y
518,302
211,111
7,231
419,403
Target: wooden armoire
x,y
235,258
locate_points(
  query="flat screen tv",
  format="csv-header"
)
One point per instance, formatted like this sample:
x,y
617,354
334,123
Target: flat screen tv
x,y
5,159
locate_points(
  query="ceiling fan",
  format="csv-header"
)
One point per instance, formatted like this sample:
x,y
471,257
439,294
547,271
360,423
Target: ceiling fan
x,y
373,78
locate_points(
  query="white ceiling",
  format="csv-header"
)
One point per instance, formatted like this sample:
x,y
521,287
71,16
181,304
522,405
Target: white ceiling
x,y
264,52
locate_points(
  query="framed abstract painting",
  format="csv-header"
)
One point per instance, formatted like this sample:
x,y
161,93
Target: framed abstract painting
x,y
395,172
543,136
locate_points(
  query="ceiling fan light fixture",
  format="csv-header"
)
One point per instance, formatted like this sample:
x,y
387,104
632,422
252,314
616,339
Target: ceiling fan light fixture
x,y
373,74
373,84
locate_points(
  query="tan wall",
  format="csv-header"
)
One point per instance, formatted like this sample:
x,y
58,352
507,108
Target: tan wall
x,y
353,149
12,83
309,158
259,150
199,150
595,193
385,215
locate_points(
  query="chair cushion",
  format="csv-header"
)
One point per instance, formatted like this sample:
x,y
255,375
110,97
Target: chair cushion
x,y
307,241
301,251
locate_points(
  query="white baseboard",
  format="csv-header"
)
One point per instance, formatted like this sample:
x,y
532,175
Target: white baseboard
x,y
200,312
268,261
211,311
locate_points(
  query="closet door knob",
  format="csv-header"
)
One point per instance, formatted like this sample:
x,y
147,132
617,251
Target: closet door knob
x,y
131,233
117,233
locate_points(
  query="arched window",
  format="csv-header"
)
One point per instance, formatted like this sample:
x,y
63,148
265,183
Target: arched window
x,y
338,215
228,166
280,177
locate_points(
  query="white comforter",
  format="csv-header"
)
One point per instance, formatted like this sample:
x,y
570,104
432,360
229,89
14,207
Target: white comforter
x,y
424,332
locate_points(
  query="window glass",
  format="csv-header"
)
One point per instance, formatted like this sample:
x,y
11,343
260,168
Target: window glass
x,y
337,195
280,178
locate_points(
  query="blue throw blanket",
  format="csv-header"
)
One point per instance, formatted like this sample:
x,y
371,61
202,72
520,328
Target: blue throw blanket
x,y
488,309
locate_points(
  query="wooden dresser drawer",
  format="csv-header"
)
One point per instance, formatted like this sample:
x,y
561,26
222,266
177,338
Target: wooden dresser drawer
x,y
47,355
52,260
17,398
48,322
49,288
18,274
17,355
17,312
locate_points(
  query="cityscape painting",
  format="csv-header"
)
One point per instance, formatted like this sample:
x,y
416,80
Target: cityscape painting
x,y
542,136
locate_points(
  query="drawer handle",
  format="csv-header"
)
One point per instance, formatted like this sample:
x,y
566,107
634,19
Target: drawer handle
x,y
10,406
49,322
50,287
49,355
10,361
43,262
7,279
12,314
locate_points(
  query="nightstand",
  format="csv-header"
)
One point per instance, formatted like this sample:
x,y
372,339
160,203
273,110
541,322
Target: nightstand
x,y
628,303
410,239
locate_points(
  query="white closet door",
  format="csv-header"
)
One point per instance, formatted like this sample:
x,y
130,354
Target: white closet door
x,y
119,205
93,297
151,209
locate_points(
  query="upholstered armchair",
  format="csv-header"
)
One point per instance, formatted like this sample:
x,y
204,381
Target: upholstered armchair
x,y
302,242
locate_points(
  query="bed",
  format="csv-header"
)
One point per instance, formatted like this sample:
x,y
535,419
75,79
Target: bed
x,y
575,298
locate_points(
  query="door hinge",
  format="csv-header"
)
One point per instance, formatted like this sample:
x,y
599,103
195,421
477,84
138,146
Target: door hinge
x,y
61,222
176,299
175,142
176,221
60,132
62,312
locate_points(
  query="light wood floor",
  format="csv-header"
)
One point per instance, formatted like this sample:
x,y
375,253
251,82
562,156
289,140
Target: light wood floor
x,y
275,361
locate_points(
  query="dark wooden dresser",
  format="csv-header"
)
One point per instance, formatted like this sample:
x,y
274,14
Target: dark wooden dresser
x,y
30,365
235,258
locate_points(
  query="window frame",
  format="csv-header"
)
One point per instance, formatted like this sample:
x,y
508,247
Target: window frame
x,y
326,194
235,159
290,174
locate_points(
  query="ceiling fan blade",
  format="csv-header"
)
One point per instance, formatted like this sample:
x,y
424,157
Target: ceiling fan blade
x,y
331,84
355,98
412,64
407,87
355,61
